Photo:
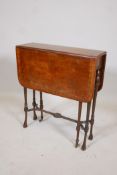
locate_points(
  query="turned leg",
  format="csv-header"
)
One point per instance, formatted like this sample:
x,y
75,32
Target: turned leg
x,y
78,123
34,106
25,107
86,125
41,106
94,104
92,115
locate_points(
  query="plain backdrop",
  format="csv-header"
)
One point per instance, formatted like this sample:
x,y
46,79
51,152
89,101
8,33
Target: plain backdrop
x,y
48,148
78,23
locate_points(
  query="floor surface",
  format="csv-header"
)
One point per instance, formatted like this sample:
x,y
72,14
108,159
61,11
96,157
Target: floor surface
x,y
47,148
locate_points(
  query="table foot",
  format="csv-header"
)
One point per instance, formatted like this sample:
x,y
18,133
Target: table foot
x,y
35,117
83,148
25,125
90,137
41,120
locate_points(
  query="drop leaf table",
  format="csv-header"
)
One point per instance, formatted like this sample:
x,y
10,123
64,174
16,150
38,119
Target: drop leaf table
x,y
69,72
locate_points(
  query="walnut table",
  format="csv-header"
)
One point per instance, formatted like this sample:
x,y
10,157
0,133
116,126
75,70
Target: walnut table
x,y
69,72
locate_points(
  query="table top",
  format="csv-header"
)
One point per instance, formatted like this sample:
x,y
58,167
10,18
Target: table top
x,y
87,53
59,70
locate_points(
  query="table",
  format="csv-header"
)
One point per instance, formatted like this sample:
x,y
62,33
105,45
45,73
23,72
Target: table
x,y
69,72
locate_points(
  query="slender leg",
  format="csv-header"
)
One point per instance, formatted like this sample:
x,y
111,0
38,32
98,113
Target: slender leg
x,y
86,125
94,104
41,106
92,115
78,123
34,106
25,107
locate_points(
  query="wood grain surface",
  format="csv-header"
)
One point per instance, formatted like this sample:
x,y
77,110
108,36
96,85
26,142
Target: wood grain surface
x,y
63,71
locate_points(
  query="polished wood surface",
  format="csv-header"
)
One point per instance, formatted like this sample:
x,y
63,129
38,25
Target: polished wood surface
x,y
87,53
63,71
